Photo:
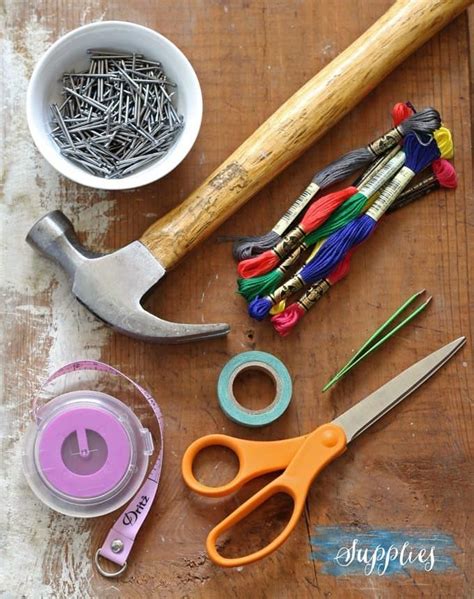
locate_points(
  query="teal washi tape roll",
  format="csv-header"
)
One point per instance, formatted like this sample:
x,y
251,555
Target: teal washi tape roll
x,y
254,360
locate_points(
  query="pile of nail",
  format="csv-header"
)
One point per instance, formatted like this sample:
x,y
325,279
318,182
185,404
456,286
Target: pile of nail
x,y
117,116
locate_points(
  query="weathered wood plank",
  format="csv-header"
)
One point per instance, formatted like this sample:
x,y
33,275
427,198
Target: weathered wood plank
x,y
411,470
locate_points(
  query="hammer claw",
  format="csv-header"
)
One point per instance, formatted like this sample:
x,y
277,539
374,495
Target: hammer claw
x,y
112,285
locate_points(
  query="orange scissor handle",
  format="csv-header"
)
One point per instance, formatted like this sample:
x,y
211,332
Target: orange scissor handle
x,y
319,448
255,459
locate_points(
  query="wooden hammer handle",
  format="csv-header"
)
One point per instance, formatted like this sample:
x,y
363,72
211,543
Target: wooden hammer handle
x,y
298,123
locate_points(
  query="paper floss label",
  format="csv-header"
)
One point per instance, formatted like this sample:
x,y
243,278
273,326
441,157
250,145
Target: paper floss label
x,y
296,208
390,193
383,175
289,242
313,294
382,144
295,254
416,192
290,287
376,166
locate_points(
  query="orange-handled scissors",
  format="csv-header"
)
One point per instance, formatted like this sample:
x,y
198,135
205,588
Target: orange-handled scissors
x,y
301,458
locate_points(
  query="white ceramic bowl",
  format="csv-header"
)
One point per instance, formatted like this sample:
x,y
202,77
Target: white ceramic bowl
x,y
69,53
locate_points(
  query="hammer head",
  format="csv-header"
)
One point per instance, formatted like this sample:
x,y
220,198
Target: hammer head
x,y
112,285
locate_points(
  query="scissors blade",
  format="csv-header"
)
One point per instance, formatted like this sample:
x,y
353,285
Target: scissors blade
x,y
358,418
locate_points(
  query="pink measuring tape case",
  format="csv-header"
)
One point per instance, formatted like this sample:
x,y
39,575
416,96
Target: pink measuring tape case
x,y
86,454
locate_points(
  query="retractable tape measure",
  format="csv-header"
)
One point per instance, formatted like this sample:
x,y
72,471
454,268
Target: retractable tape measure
x,y
86,454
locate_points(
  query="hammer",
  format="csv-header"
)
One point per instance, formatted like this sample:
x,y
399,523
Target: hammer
x,y
112,285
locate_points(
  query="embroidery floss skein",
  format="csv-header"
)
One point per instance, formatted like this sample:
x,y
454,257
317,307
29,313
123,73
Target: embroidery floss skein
x,y
286,320
341,207
444,175
316,214
277,308
267,283
400,112
418,156
425,121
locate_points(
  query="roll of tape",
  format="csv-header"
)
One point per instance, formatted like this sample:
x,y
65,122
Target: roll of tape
x,y
254,360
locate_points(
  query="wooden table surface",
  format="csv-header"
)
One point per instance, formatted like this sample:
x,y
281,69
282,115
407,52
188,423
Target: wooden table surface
x,y
410,472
